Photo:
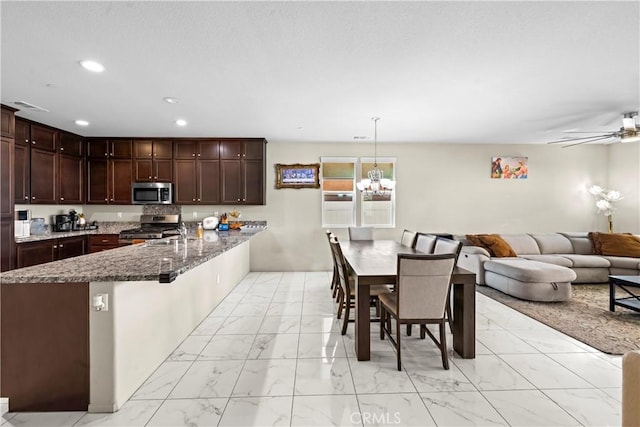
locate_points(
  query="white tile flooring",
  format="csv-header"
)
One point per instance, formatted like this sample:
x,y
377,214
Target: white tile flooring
x,y
271,354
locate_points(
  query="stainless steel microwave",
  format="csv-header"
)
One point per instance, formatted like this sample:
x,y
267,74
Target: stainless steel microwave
x,y
151,193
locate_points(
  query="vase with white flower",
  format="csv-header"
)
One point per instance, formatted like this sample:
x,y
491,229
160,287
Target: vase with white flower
x,y
604,202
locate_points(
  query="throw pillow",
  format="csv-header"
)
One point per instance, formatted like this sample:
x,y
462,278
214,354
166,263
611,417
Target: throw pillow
x,y
498,247
474,240
625,245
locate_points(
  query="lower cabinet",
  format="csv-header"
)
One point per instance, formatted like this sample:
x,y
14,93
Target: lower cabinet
x,y
103,242
34,253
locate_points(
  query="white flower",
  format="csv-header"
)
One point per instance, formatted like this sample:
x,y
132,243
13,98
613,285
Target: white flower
x,y
603,205
613,196
596,190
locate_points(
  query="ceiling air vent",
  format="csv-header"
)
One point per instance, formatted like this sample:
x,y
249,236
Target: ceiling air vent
x,y
30,106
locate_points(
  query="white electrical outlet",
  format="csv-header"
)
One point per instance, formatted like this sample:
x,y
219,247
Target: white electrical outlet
x,y
119,214
100,302
218,279
195,214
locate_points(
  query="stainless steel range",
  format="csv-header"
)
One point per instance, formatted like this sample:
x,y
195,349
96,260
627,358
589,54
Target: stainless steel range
x,y
153,227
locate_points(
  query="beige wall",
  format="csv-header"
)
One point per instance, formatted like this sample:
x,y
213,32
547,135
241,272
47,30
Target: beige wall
x,y
441,188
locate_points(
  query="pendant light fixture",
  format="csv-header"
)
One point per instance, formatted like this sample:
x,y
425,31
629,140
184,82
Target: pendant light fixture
x,y
376,184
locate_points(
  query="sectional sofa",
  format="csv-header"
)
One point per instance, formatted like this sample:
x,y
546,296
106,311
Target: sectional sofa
x,y
542,267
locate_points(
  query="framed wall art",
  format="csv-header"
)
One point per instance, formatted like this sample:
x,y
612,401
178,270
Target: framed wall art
x,y
505,167
298,175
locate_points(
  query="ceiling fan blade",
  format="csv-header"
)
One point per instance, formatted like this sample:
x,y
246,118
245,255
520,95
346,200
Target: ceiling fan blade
x,y
585,138
585,142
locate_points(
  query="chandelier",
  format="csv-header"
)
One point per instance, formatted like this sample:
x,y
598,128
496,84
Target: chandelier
x,y
376,184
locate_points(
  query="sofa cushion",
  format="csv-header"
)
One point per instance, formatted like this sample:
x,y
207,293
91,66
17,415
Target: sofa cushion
x,y
522,243
551,259
591,261
623,262
553,243
498,247
525,270
580,242
618,244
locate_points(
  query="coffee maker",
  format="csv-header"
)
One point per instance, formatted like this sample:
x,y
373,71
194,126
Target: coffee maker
x,y
63,223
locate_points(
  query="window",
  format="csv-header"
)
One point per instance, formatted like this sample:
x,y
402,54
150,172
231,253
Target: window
x,y
378,210
338,191
340,197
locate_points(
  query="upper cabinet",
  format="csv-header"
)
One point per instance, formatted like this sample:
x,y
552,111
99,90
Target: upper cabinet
x,y
7,123
43,138
242,171
196,172
70,144
152,160
109,148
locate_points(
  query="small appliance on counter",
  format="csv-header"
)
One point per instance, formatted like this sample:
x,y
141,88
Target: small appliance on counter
x,y
210,223
37,227
22,226
63,222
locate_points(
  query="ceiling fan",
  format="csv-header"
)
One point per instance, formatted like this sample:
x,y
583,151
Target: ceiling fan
x,y
629,132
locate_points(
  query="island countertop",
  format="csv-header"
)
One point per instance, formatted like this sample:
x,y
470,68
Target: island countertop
x,y
132,263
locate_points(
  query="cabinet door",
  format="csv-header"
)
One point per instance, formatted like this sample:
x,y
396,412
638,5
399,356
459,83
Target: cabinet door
x,y
43,177
98,148
120,181
21,174
253,150
163,170
253,179
7,127
102,242
71,246
43,138
185,149
184,183
34,253
97,181
209,150
23,132
143,170
231,182
142,148
121,149
231,149
6,177
7,247
70,144
208,182
163,150
70,179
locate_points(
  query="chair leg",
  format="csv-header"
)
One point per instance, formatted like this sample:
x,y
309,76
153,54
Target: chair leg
x,y
383,314
443,345
398,343
423,331
340,304
408,329
449,316
345,321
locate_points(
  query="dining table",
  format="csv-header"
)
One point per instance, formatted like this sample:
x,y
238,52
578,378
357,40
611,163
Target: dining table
x,y
374,262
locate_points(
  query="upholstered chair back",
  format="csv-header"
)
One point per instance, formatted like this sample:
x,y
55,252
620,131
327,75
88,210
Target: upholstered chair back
x,y
341,265
408,238
426,243
360,233
447,246
423,285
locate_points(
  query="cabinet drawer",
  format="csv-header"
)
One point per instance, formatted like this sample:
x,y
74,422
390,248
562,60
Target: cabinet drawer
x,y
103,240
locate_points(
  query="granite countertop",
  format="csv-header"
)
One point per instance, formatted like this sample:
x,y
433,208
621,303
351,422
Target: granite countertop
x,y
134,262
103,228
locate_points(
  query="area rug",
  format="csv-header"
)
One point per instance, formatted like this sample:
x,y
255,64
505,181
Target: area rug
x,y
586,317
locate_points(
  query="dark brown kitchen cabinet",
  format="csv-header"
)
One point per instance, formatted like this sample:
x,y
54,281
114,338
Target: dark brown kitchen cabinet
x,y
22,173
6,195
109,181
196,175
43,138
70,144
152,160
70,179
242,172
7,123
103,242
109,148
40,252
43,177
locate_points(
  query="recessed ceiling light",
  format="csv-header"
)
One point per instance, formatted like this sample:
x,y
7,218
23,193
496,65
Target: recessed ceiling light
x,y
181,122
82,123
94,66
170,100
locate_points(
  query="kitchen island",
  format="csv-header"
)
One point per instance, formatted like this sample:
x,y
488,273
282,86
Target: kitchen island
x,y
84,333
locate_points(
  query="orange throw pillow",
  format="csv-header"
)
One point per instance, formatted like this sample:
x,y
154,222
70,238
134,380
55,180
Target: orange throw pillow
x,y
494,244
619,245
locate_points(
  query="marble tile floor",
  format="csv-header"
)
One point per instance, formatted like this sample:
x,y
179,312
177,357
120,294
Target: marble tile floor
x,y
271,354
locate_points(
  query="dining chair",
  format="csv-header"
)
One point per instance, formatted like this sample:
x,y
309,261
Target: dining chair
x,y
423,287
408,238
448,246
360,233
334,280
425,242
347,294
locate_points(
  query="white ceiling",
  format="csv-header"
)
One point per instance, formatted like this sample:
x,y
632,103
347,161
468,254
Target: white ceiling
x,y
441,72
